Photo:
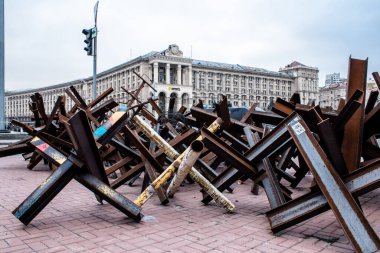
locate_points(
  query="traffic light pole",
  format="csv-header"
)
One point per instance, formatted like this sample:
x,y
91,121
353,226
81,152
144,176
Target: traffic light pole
x,y
95,51
94,67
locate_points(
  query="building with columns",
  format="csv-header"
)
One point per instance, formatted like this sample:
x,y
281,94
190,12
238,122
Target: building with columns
x,y
306,81
186,79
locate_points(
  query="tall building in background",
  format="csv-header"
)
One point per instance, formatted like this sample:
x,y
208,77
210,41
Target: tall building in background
x,y
332,78
306,81
186,79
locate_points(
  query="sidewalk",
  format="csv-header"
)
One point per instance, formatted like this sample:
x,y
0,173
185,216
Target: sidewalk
x,y
75,222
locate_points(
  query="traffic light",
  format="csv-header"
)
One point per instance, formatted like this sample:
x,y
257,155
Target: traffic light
x,y
90,34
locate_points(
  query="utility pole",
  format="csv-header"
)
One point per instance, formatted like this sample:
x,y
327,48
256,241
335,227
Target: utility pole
x,y
2,56
91,43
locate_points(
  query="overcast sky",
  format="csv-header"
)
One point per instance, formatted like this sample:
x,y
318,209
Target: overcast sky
x,y
44,44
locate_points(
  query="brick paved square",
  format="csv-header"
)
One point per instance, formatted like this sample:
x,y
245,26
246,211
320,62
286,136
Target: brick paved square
x,y
75,222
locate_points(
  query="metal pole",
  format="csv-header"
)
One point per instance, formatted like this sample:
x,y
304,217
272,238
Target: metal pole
x,y
2,56
94,69
95,52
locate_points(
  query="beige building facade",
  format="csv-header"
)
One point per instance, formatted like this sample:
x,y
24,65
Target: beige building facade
x,y
186,79
306,81
330,95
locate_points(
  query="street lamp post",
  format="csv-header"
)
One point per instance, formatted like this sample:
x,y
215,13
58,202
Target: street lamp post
x,y
2,56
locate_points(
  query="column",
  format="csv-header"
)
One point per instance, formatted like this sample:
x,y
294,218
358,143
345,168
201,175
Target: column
x,y
167,73
224,83
197,83
179,74
247,95
179,101
215,83
167,102
206,83
190,76
155,72
239,90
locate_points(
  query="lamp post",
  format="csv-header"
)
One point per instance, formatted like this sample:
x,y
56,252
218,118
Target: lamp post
x,y
2,56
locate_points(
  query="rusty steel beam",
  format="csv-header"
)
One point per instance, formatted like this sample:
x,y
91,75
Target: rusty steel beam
x,y
275,140
376,76
16,149
331,146
203,116
68,169
266,117
270,182
118,165
283,108
78,97
371,101
145,81
117,200
53,112
85,145
132,172
295,99
346,210
241,166
103,108
37,98
347,111
360,182
353,129
371,122
247,118
36,116
45,192
75,99
223,112
228,153
235,142
100,97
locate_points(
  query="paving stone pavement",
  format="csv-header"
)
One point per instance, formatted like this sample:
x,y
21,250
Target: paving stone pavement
x,y
75,222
